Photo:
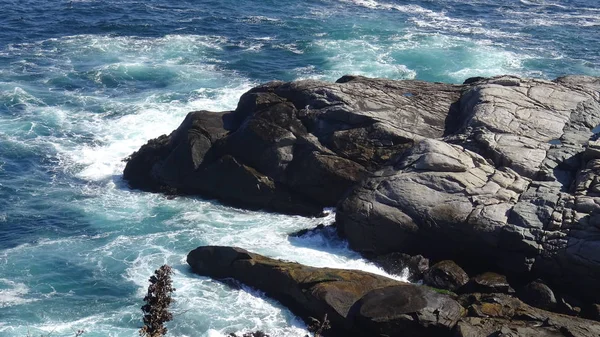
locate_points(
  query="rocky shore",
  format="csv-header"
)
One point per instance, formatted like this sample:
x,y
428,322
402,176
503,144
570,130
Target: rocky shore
x,y
500,175
360,304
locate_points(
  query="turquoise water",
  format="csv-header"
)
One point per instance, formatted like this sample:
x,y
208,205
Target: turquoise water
x,y
85,83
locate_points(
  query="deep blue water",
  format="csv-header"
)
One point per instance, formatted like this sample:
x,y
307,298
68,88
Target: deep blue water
x,y
85,83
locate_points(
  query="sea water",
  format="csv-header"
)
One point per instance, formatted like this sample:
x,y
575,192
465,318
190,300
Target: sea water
x,y
85,83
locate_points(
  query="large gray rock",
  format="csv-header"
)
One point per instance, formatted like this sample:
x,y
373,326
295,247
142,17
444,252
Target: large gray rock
x,y
515,188
294,147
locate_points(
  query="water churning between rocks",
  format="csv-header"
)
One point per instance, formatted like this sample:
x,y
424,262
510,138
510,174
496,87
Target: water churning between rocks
x,y
83,84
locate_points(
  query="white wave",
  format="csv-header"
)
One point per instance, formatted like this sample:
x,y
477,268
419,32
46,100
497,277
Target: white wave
x,y
177,61
13,293
124,135
260,19
358,57
292,47
543,3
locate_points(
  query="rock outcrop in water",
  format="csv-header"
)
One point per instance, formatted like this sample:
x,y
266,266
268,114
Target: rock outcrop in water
x,y
514,188
294,147
360,304
498,174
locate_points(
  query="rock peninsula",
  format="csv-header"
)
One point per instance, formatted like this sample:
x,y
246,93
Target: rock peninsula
x,y
497,174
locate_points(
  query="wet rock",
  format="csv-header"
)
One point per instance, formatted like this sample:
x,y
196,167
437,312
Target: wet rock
x,y
488,282
356,303
398,263
539,295
446,275
305,143
308,231
250,334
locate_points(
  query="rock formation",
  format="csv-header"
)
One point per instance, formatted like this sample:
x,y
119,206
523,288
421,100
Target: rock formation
x,y
514,188
498,174
360,304
293,147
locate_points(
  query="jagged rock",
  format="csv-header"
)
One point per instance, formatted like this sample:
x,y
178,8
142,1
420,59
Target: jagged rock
x,y
488,282
539,295
293,147
446,275
307,231
356,303
502,315
512,189
397,263
250,334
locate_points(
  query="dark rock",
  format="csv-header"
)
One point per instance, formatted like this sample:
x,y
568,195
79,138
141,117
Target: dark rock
x,y
402,311
293,147
568,305
356,303
251,334
446,275
308,231
397,263
488,283
502,315
539,295
592,311
169,161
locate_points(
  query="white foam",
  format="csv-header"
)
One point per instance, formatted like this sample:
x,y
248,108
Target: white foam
x,y
359,57
122,136
14,295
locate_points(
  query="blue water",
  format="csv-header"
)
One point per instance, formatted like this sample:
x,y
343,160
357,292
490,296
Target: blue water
x,y
85,83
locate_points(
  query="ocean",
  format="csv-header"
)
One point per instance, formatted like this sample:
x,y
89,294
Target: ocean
x,y
85,83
